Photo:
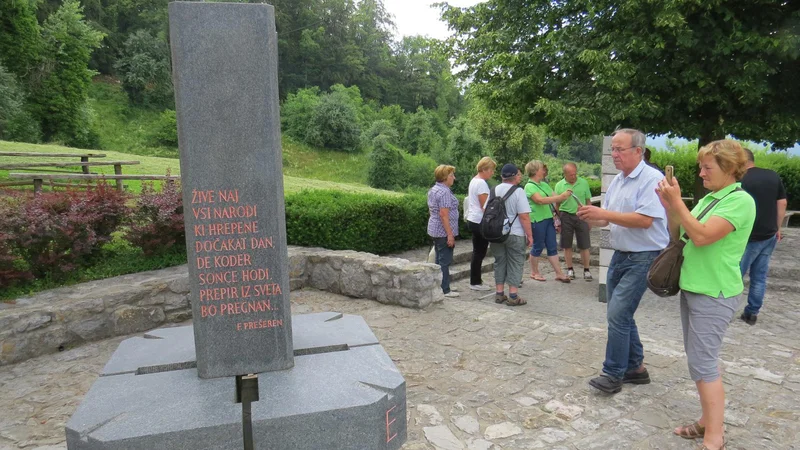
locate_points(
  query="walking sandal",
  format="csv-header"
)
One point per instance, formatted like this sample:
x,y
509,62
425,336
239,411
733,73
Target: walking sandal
x,y
692,431
516,301
705,447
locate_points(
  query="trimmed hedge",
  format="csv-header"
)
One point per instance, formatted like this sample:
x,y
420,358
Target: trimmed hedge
x,y
685,163
364,222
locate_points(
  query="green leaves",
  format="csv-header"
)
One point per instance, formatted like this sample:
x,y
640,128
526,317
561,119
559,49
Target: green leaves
x,y
690,67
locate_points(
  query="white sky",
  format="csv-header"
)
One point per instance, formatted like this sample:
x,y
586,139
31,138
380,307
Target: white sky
x,y
413,17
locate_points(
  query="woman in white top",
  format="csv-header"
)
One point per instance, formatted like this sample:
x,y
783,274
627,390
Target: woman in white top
x,y
476,199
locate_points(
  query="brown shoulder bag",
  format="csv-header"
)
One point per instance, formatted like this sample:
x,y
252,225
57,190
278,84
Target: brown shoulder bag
x,y
664,275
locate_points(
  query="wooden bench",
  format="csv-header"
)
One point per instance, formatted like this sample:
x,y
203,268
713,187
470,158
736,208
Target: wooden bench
x,y
39,165
83,156
38,178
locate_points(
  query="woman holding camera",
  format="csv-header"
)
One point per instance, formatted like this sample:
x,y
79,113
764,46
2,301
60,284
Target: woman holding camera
x,y
711,281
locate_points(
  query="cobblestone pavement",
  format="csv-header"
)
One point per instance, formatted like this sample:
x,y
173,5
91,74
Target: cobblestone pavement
x,y
487,376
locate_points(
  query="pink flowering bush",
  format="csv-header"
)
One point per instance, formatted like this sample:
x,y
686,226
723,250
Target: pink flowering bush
x,y
156,222
55,233
12,269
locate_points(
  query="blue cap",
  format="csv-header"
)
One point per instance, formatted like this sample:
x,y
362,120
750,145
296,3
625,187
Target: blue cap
x,y
509,170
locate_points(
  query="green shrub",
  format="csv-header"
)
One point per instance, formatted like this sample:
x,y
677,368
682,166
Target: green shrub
x,y
381,127
684,160
166,130
297,110
370,223
392,168
418,171
595,186
385,165
334,124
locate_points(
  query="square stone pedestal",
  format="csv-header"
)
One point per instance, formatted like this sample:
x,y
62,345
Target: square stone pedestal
x,y
344,392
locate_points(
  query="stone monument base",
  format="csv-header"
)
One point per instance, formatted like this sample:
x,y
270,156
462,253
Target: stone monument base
x,y
344,392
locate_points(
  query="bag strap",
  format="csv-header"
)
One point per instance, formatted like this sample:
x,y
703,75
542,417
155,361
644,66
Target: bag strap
x,y
505,197
553,209
710,207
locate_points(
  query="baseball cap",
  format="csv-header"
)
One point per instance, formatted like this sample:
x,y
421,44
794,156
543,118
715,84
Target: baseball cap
x,y
509,170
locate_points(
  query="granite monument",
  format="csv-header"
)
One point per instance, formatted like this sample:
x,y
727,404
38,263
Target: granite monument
x,y
315,381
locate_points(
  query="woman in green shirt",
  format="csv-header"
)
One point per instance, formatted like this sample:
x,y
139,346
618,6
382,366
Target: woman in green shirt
x,y
542,201
711,281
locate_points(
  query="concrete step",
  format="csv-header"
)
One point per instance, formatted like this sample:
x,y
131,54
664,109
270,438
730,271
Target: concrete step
x,y
783,270
461,271
594,260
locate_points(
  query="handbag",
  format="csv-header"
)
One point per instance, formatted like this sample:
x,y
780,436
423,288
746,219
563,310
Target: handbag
x,y
664,275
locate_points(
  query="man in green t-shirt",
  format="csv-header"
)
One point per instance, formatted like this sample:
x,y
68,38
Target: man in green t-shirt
x,y
570,223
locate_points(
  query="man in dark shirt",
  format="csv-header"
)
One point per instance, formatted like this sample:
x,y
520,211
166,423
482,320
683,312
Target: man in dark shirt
x,y
767,190
647,154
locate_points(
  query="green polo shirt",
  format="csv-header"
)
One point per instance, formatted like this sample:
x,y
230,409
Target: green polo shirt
x,y
580,189
714,269
538,212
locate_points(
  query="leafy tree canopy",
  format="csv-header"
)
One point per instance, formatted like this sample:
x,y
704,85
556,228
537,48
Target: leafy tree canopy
x,y
693,68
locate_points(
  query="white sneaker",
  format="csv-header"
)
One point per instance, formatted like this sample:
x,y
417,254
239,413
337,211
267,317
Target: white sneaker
x,y
452,294
479,287
453,289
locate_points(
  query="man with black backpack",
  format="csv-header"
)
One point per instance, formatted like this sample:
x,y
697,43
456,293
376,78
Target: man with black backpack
x,y
510,245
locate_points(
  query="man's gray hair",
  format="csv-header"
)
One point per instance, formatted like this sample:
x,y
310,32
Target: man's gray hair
x,y
638,139
570,164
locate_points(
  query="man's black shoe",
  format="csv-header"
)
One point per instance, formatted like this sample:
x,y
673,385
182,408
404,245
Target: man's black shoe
x,y
633,377
606,384
749,319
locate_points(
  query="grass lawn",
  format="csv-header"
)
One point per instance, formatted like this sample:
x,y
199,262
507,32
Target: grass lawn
x,y
151,165
300,160
120,127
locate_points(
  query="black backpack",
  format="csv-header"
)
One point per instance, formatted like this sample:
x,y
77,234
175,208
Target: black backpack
x,y
494,225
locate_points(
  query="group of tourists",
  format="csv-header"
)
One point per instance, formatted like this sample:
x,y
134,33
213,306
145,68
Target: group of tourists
x,y
731,231
535,213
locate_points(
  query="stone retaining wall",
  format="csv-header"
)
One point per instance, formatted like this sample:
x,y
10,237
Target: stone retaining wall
x,y
62,318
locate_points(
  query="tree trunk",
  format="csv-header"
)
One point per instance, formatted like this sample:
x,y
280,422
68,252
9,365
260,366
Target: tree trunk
x,y
699,190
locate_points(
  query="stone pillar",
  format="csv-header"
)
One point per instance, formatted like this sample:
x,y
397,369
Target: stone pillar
x,y
609,172
225,72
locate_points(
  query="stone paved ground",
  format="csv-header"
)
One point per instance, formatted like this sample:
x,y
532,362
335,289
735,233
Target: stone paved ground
x,y
483,376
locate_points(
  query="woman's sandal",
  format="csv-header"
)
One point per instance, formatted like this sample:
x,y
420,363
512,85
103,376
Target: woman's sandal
x,y
564,280
705,447
538,277
516,301
692,431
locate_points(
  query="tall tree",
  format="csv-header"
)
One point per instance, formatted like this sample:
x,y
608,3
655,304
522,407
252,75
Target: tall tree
x,y
507,140
421,62
20,39
145,70
372,32
60,99
692,68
